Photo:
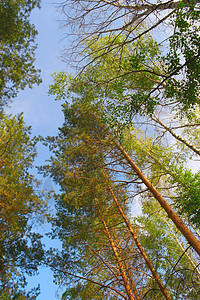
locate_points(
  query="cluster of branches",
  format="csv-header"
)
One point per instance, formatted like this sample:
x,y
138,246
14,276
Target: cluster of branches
x,y
98,181
121,25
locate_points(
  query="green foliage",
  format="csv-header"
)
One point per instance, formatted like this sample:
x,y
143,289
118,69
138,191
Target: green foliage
x,y
126,78
183,59
17,48
13,293
59,88
21,250
187,200
134,78
165,246
121,85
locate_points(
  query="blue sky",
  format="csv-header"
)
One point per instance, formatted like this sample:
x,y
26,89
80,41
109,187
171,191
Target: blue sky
x,y
41,111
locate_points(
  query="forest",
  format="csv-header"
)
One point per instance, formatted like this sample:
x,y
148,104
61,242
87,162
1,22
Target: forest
x,y
125,161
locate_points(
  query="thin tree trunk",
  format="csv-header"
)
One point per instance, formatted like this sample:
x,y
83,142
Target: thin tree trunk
x,y
89,280
197,232
190,237
176,136
155,158
153,7
133,286
143,253
132,283
189,258
121,268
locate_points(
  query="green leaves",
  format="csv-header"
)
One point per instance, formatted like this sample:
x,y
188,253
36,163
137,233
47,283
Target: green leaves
x,y
59,88
21,250
17,48
183,59
187,201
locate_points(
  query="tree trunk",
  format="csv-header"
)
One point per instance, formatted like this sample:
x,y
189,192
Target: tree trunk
x,y
190,259
190,237
132,283
121,268
176,136
143,253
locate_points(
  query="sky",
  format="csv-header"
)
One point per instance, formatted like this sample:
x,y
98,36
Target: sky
x,y
43,113
40,110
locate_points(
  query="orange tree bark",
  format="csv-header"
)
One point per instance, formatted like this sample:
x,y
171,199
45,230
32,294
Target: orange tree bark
x,y
190,237
143,253
118,259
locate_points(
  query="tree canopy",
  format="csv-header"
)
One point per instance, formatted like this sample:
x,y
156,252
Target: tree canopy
x,y
17,48
21,250
130,131
125,25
